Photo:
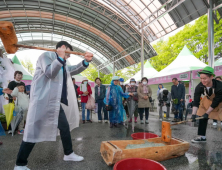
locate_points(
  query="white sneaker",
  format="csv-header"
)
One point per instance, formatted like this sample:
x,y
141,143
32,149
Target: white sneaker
x,y
147,122
100,121
141,121
73,157
161,120
106,121
168,119
21,168
214,123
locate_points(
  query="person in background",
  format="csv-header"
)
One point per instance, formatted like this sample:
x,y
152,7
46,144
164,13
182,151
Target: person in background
x,y
121,83
215,121
144,92
160,86
18,75
132,101
76,87
114,95
100,94
85,90
164,98
23,103
178,96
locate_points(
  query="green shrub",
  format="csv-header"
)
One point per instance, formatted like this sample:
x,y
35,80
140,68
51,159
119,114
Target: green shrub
x,y
2,118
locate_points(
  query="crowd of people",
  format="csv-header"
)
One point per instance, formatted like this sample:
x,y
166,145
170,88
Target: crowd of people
x,y
54,89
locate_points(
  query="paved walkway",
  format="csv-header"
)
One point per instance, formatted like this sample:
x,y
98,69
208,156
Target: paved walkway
x,y
87,139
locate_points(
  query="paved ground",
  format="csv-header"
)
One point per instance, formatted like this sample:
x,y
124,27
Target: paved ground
x,y
86,142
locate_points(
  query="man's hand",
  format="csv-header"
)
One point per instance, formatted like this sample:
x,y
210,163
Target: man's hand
x,y
7,98
88,56
7,90
145,97
205,116
131,94
181,100
14,98
193,118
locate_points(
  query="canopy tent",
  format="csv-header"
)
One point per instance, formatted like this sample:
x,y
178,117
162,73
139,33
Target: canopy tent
x,y
19,67
218,62
184,62
149,71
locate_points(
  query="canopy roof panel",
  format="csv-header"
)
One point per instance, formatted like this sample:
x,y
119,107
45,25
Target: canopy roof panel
x,y
87,21
138,11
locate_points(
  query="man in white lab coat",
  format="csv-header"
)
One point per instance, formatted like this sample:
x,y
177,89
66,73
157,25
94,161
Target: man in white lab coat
x,y
52,102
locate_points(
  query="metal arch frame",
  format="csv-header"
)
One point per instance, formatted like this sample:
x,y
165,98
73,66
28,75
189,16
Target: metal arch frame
x,y
135,17
125,26
168,6
125,52
36,42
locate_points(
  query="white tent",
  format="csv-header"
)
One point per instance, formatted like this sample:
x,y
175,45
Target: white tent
x,y
149,71
184,62
19,67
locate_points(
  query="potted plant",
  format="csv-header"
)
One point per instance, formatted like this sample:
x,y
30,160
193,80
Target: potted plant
x,y
3,121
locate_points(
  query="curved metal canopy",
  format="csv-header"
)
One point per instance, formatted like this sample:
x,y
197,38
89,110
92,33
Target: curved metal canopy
x,y
87,21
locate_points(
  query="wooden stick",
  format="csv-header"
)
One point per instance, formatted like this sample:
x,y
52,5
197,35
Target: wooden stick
x,y
185,121
48,49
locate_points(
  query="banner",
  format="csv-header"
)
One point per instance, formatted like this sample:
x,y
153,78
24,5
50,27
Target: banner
x,y
167,79
217,72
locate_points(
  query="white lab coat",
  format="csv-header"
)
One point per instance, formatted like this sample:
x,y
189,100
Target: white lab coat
x,y
45,97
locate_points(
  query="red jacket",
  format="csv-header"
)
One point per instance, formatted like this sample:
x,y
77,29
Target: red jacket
x,y
84,99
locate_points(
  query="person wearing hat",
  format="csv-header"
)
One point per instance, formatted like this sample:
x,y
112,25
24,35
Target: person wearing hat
x,y
212,89
121,83
113,101
85,91
132,101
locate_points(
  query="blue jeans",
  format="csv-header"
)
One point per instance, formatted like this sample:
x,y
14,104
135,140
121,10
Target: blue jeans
x,y
83,112
101,105
179,109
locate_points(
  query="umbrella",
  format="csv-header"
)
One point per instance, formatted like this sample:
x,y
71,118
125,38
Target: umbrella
x,y
9,112
16,120
2,131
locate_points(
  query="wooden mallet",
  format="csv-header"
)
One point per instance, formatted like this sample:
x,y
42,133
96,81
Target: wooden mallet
x,y
9,40
166,129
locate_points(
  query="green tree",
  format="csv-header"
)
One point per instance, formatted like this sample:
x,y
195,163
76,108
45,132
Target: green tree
x,y
28,64
195,37
91,73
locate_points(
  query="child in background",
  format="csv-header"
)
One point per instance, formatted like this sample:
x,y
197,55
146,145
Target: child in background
x,y
23,102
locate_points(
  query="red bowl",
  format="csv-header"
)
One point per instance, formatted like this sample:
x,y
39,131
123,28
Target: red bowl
x,y
138,164
143,135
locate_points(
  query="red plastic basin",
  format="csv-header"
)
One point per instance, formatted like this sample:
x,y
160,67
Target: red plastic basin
x,y
138,164
143,135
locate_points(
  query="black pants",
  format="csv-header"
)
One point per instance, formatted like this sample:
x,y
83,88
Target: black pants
x,y
141,111
63,126
202,128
